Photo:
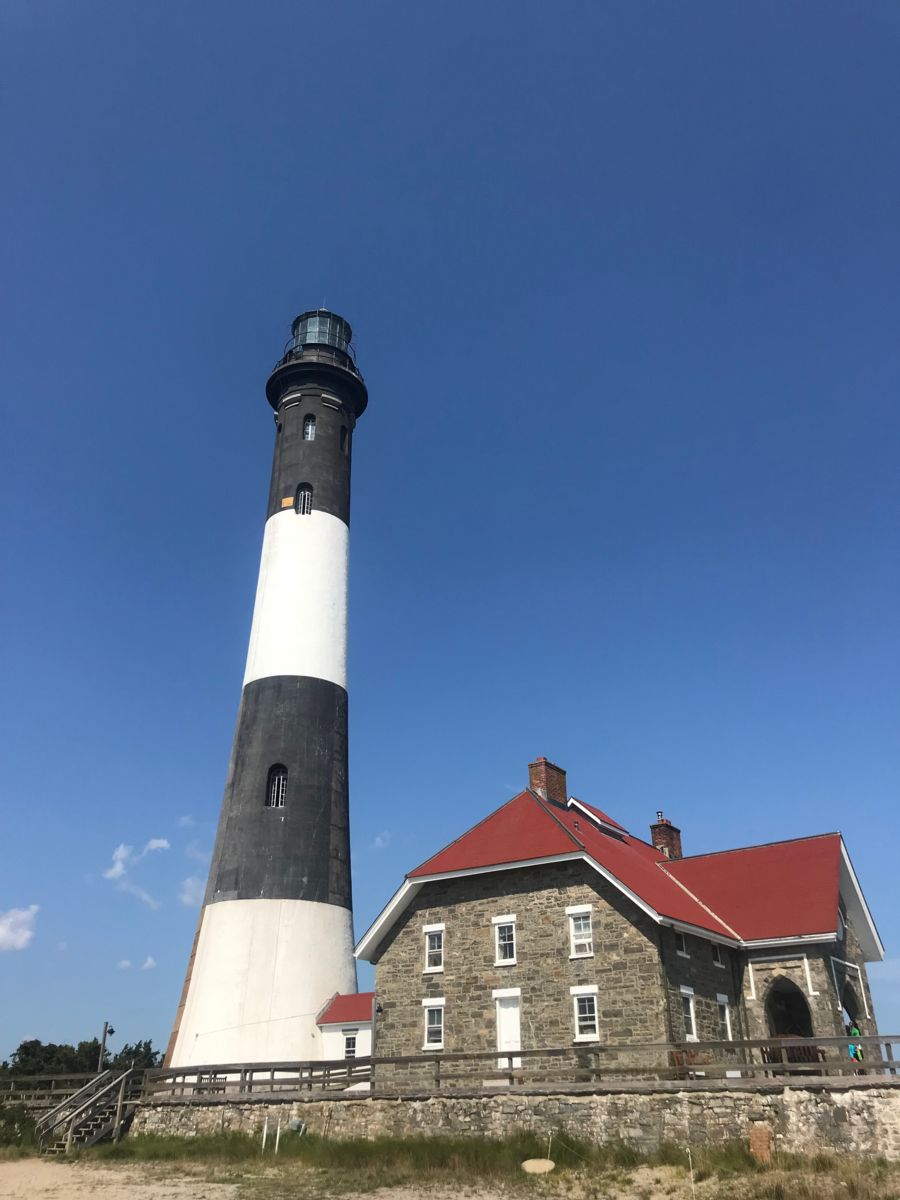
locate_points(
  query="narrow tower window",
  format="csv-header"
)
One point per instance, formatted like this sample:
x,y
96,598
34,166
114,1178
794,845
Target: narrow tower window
x,y
304,499
276,786
344,441
309,428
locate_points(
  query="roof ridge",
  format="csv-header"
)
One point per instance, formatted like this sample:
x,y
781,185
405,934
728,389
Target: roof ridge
x,y
695,897
542,804
810,837
471,829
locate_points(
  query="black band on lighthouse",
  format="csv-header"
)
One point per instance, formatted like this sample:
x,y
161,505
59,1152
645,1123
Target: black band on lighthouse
x,y
298,849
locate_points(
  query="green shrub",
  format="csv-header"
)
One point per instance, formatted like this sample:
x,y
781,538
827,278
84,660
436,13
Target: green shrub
x,y
16,1126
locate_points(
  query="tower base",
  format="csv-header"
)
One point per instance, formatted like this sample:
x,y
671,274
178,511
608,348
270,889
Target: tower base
x,y
261,973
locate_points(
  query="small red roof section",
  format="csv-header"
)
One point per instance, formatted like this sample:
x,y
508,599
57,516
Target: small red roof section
x,y
784,889
349,1008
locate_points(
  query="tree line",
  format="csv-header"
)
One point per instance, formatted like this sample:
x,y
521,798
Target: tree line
x,y
34,1057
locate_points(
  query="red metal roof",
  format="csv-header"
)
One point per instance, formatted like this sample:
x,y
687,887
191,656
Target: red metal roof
x,y
784,889
351,1007
787,889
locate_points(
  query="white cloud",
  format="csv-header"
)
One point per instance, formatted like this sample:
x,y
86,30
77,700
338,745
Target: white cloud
x,y
17,927
123,964
155,844
186,821
129,886
149,963
191,894
121,857
382,840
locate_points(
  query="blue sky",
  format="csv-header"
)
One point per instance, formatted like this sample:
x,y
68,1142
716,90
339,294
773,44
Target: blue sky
x,y
625,281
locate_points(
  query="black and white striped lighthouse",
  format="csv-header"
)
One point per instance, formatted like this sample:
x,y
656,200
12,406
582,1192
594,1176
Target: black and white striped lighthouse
x,y
275,937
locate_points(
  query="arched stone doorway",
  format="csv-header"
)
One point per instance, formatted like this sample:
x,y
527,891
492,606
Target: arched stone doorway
x,y
787,1012
852,1009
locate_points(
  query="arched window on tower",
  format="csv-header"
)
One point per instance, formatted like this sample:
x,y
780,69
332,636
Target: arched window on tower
x,y
304,499
276,786
309,428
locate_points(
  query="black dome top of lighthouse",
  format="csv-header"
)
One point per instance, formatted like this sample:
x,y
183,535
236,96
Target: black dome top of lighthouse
x,y
319,338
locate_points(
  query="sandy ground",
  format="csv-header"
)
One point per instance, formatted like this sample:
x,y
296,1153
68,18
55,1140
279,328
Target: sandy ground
x,y
38,1179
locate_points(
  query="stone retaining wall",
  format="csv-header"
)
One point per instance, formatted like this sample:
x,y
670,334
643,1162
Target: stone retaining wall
x,y
858,1116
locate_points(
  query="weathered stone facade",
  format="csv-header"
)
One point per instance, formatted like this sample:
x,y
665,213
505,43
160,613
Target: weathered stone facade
x,y
856,1116
648,978
625,964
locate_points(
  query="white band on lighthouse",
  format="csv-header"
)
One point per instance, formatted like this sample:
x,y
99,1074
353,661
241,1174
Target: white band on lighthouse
x,y
300,614
262,971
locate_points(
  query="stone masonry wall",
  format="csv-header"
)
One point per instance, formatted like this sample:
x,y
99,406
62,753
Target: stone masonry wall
x,y
858,1116
624,966
697,969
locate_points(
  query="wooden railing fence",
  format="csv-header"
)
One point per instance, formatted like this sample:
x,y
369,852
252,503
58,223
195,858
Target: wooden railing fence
x,y
792,1061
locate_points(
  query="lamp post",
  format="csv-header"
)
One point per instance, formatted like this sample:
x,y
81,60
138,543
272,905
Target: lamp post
x,y
108,1031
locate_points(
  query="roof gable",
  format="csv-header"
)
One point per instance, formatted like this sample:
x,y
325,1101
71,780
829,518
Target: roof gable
x,y
523,829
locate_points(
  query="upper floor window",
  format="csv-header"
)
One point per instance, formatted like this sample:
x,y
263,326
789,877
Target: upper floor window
x,y
434,947
581,933
681,944
504,941
276,786
717,955
309,428
304,499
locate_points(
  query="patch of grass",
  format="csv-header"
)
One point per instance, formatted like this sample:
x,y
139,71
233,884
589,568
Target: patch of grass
x,y
152,1147
16,1126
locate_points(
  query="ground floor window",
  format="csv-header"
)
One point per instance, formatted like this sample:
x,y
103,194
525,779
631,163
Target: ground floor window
x,y
724,1014
584,1004
689,1013
434,1024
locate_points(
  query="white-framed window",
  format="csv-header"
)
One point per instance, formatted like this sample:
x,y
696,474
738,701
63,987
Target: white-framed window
x,y
689,1013
681,944
304,499
434,947
724,1014
581,931
276,786
433,1015
504,940
309,428
717,956
350,1042
584,1010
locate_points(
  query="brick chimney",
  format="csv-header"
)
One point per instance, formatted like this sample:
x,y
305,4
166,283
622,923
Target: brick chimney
x,y
666,837
548,780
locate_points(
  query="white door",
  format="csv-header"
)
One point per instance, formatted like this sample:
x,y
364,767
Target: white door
x,y
509,1035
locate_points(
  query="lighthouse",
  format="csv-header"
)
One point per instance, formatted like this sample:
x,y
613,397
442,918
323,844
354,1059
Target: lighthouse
x,y
275,937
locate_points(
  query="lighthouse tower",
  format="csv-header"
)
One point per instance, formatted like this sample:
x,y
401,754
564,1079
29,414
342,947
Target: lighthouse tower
x,y
275,936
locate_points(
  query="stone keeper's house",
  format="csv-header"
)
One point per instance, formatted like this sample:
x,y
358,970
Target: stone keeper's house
x,y
548,924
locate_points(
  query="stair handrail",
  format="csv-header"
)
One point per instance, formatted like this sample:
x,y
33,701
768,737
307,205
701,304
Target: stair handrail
x,y
49,1120
89,1102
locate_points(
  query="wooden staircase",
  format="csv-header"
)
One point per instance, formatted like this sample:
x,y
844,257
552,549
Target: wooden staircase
x,y
96,1112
